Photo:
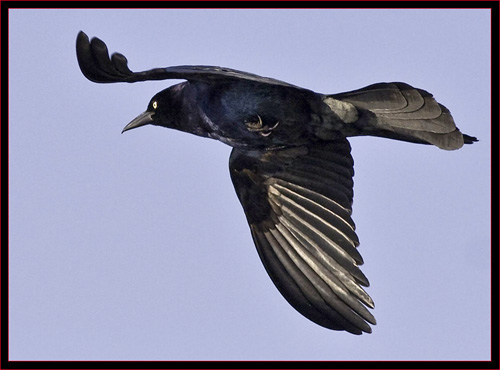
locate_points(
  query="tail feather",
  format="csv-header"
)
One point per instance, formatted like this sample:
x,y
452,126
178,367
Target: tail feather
x,y
399,111
469,139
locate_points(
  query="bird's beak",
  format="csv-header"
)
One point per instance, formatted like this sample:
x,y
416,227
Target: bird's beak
x,y
141,120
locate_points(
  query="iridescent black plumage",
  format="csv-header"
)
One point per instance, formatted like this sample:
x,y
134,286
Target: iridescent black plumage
x,y
290,165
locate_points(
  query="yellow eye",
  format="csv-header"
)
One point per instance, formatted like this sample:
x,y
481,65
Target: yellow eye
x,y
155,105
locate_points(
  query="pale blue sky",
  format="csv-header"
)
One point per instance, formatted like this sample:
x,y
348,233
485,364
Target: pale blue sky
x,y
135,247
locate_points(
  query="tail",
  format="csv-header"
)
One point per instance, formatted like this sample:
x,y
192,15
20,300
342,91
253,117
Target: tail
x,y
398,111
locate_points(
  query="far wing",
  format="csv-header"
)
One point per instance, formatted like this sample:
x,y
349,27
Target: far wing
x,y
97,66
298,205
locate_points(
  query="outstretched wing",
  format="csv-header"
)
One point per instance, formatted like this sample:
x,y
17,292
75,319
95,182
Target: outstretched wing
x,y
298,204
97,66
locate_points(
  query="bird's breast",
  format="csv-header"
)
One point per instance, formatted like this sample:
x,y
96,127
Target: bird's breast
x,y
256,116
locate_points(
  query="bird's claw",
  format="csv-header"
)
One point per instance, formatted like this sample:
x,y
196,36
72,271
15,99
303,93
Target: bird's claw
x,y
255,126
259,127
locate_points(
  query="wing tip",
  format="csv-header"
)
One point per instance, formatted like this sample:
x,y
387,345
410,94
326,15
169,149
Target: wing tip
x,y
95,63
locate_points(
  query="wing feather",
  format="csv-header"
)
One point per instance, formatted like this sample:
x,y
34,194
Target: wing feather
x,y
313,221
298,204
323,272
344,227
97,66
349,280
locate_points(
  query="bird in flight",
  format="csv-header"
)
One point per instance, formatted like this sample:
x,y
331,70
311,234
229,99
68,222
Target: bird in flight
x,y
290,165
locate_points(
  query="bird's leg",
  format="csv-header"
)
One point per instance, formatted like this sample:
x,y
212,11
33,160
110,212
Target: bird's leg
x,y
255,126
264,130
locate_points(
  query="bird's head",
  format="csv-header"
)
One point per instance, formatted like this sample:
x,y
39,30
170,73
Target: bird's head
x,y
162,111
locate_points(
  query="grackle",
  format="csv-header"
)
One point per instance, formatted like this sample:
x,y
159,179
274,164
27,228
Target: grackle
x,y
290,165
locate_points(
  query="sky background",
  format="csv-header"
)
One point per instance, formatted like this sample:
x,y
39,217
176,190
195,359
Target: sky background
x,y
135,247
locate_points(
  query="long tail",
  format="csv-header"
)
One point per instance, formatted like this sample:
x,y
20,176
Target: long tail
x,y
399,111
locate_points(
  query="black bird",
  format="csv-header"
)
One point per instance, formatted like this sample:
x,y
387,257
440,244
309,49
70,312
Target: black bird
x,y
290,165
